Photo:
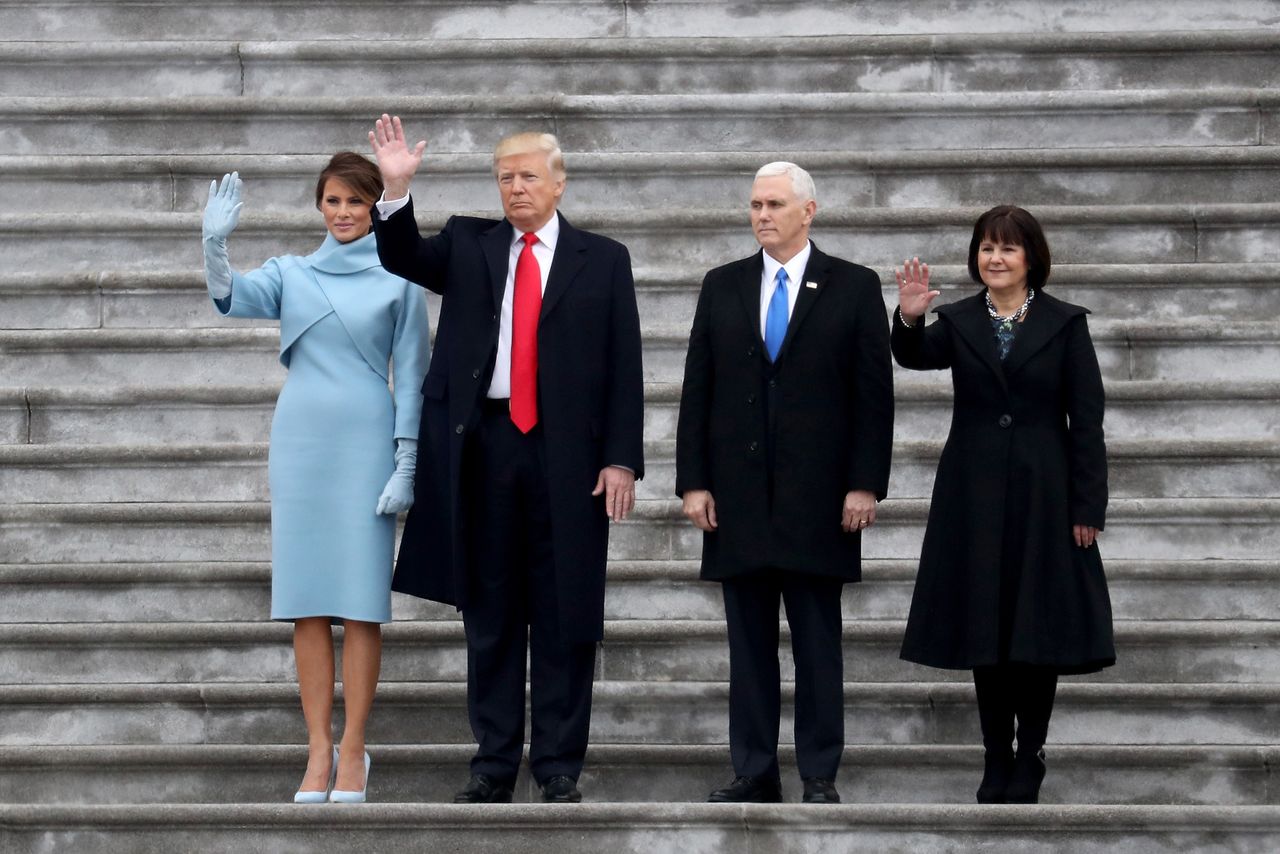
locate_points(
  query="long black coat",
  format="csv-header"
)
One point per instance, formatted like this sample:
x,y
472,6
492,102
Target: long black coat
x,y
779,445
590,399
1001,578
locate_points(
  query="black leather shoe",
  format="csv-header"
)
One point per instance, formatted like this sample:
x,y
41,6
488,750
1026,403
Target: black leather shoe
x,y
820,791
1028,773
748,790
483,789
561,789
996,774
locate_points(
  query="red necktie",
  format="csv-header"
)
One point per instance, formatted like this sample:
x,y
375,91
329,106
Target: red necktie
x,y
526,306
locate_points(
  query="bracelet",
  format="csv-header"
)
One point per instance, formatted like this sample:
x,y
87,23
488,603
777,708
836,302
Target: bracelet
x,y
903,320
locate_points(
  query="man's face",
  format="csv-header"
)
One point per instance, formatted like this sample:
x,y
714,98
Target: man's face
x,y
780,220
530,192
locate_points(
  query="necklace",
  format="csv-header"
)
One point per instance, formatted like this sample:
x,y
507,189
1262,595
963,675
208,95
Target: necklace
x,y
1017,315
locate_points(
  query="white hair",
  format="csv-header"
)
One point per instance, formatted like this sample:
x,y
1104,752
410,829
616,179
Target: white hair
x,y
801,182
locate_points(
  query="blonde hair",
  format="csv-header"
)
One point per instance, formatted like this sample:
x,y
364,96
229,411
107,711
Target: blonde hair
x,y
523,143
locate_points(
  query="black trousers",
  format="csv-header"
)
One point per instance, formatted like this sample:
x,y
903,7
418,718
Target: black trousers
x,y
1012,691
513,613
755,703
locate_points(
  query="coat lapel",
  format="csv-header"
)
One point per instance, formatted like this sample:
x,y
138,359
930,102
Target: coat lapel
x,y
973,324
496,245
815,272
1043,321
569,259
749,293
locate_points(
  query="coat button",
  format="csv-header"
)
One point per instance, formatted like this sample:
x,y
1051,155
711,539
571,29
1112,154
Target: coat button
x,y
458,429
751,351
753,447
475,375
751,398
773,383
1005,420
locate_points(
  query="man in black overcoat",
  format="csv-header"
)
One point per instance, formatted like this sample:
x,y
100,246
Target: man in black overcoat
x,y
782,451
531,442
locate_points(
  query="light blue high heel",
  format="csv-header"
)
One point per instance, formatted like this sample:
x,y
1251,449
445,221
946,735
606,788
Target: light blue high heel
x,y
340,796
301,797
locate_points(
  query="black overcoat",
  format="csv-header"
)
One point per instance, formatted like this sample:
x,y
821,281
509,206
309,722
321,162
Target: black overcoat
x,y
1000,577
779,445
590,399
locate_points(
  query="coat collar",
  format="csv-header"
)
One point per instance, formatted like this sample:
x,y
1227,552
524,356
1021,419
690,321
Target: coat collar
x,y
340,258
568,259
811,286
1045,319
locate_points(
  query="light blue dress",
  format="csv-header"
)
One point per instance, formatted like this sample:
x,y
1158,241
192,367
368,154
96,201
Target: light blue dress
x,y
342,319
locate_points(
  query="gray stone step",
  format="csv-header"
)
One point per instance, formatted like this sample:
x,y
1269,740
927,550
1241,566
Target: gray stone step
x,y
642,651
653,180
218,773
646,827
1139,409
637,590
689,239
666,296
651,122
678,713
1137,529
238,472
949,62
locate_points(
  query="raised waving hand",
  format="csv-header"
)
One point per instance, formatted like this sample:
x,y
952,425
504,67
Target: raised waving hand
x,y
914,295
396,160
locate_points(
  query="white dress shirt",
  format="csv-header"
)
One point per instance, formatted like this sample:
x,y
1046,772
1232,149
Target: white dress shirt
x,y
544,251
769,281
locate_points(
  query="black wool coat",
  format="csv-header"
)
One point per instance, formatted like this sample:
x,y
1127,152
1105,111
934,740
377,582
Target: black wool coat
x,y
1001,579
590,399
779,445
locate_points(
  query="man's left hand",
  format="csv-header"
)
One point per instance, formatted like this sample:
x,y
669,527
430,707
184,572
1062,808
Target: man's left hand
x,y
619,488
859,511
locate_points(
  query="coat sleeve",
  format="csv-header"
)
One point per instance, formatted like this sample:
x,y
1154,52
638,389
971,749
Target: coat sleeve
x,y
255,294
693,439
409,358
404,252
921,347
872,393
624,415
1085,402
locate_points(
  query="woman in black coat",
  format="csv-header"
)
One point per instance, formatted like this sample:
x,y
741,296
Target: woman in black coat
x,y
1010,582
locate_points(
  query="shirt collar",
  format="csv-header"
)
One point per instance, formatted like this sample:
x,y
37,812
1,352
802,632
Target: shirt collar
x,y
548,234
795,267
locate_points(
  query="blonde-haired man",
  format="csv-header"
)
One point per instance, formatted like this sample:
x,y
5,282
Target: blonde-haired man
x,y
531,442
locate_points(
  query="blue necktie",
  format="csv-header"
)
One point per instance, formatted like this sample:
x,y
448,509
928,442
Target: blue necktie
x,y
775,321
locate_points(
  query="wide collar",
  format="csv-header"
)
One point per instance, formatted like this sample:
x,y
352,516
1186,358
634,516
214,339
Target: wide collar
x,y
812,285
340,258
568,259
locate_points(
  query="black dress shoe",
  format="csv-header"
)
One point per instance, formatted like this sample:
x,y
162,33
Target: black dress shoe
x,y
483,789
561,789
748,790
1028,773
996,774
818,790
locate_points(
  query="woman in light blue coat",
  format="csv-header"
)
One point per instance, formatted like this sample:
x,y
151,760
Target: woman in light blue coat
x,y
343,447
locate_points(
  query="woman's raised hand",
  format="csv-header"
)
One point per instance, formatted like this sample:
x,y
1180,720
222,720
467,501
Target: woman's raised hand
x,y
222,211
396,160
914,295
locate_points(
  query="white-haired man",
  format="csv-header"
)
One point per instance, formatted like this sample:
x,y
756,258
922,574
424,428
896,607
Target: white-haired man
x,y
782,451
531,441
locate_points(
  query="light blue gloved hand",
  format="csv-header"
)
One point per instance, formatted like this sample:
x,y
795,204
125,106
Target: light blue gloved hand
x,y
221,216
398,494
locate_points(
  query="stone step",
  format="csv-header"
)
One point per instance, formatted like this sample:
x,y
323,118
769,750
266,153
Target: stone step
x,y
645,827
637,590
238,472
641,651
676,713
915,63
924,773
496,20
1137,529
146,299
1157,410
659,180
651,122
691,240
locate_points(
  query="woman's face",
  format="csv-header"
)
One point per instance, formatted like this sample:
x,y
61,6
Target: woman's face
x,y
1003,266
346,214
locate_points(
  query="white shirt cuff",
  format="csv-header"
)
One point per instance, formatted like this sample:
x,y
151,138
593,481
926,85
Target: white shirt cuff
x,y
386,209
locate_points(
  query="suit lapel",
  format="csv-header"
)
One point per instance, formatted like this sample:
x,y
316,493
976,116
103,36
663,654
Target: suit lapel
x,y
496,245
973,324
570,257
749,292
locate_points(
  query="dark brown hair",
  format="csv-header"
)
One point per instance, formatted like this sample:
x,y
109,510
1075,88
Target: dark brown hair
x,y
1012,225
356,172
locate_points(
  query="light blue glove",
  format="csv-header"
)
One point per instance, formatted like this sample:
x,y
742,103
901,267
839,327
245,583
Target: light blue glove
x,y
221,216
398,494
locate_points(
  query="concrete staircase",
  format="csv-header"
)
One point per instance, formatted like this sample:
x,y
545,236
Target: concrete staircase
x,y
147,705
